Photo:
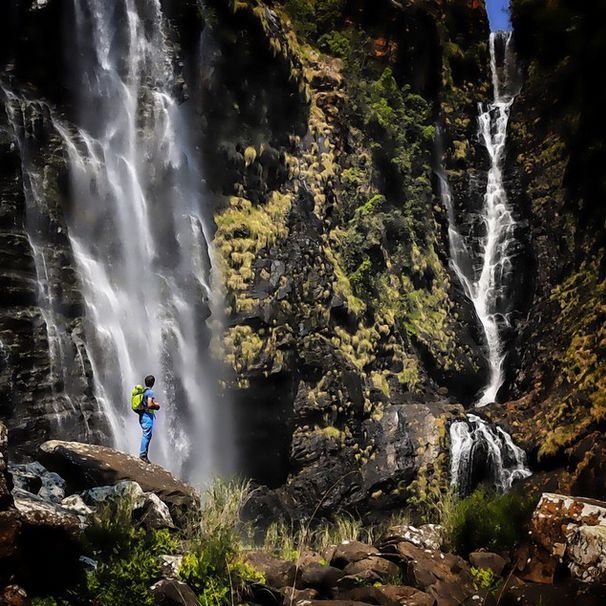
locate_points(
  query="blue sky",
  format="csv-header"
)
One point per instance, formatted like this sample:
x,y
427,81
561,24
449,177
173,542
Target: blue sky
x,y
498,18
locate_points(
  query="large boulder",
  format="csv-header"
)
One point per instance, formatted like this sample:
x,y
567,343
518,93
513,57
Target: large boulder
x,y
87,466
555,527
351,551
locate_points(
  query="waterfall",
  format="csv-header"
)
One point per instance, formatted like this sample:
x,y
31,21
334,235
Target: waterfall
x,y
138,232
485,279
486,452
477,446
67,371
137,229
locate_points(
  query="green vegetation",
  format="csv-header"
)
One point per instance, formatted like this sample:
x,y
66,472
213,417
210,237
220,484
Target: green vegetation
x,y
485,578
128,557
486,519
313,19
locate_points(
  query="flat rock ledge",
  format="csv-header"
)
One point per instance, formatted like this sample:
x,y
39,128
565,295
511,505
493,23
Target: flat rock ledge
x,y
86,466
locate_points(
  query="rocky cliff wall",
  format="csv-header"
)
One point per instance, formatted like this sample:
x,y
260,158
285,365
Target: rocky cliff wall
x,y
559,410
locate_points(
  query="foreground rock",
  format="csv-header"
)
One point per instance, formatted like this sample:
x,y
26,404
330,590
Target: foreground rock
x,y
565,530
86,466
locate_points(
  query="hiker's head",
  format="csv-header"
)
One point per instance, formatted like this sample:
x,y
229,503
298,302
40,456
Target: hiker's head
x,y
149,381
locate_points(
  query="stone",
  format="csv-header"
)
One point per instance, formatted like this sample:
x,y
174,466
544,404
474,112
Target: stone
x,y
35,511
14,595
86,466
10,528
126,490
317,576
170,592
488,560
351,551
36,479
364,577
278,573
75,503
154,513
443,576
292,595
6,481
170,565
44,523
586,554
407,596
389,595
383,568
553,525
427,536
368,595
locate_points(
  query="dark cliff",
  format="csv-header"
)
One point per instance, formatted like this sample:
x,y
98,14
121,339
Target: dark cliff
x,y
348,342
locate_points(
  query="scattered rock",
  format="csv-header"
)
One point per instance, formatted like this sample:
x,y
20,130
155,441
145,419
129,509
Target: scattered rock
x,y
407,596
369,595
427,536
488,560
351,551
278,573
75,503
383,568
126,490
87,466
293,595
155,513
317,576
444,576
170,592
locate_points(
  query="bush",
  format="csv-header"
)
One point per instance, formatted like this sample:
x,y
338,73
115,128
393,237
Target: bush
x,y
211,567
128,557
485,519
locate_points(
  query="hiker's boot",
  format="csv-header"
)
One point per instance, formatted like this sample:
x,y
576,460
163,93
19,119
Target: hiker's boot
x,y
145,459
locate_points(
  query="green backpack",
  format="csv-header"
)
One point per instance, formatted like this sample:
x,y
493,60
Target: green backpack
x,y
136,398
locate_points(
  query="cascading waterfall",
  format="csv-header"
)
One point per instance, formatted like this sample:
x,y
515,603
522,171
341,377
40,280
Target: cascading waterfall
x,y
484,451
485,280
24,117
138,233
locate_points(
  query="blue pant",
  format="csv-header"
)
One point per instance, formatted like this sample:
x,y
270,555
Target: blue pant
x,y
146,421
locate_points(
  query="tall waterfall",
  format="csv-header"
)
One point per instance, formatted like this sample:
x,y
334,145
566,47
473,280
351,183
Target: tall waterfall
x,y
485,277
484,270
137,230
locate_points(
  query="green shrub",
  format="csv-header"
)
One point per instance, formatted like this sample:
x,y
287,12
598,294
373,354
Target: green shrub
x,y
211,567
485,519
127,557
484,578
335,43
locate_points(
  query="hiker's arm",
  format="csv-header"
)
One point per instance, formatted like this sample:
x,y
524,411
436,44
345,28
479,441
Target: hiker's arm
x,y
152,404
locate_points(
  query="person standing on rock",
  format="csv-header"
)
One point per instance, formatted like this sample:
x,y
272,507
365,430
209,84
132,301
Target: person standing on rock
x,y
147,416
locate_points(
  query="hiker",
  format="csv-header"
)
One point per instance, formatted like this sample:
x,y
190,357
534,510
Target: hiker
x,y
144,404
